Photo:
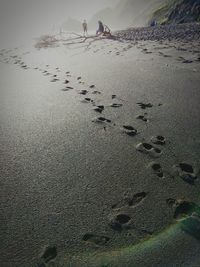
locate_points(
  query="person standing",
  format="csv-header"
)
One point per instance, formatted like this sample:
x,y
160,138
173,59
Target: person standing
x,y
100,28
85,28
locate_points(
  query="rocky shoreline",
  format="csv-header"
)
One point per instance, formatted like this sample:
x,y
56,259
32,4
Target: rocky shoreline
x,y
179,32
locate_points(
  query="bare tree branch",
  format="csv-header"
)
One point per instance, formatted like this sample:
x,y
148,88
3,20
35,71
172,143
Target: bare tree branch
x,y
48,41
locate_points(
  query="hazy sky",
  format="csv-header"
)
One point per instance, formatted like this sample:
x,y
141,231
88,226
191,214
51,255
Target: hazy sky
x,y
19,18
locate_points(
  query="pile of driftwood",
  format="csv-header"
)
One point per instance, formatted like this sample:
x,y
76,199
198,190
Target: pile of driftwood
x,y
46,41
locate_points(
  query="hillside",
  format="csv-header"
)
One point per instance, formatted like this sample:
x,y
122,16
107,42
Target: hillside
x,y
127,13
178,11
138,13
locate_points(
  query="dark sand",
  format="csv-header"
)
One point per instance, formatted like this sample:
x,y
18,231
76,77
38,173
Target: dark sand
x,y
100,154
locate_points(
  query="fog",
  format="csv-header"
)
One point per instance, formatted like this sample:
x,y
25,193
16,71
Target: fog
x,y
22,19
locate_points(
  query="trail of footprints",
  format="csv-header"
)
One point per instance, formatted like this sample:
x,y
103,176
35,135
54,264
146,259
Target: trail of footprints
x,y
121,220
185,212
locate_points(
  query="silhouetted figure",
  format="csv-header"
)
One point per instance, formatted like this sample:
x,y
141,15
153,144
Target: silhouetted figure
x,y
85,28
153,23
101,28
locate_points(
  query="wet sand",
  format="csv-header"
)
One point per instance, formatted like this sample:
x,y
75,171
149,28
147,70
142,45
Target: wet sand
x,y
100,154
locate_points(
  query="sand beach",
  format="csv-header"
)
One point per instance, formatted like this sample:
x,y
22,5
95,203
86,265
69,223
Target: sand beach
x,y
100,151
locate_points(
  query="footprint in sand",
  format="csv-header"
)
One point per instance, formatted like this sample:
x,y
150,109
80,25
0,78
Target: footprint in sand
x,y
101,120
96,93
49,254
182,208
83,92
129,201
98,240
143,117
67,88
113,96
187,214
181,49
149,149
145,51
92,86
186,172
116,105
144,106
120,221
165,55
87,100
157,169
187,61
158,140
129,130
54,80
99,108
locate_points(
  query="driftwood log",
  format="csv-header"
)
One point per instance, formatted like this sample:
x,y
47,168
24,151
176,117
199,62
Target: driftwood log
x,y
53,40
